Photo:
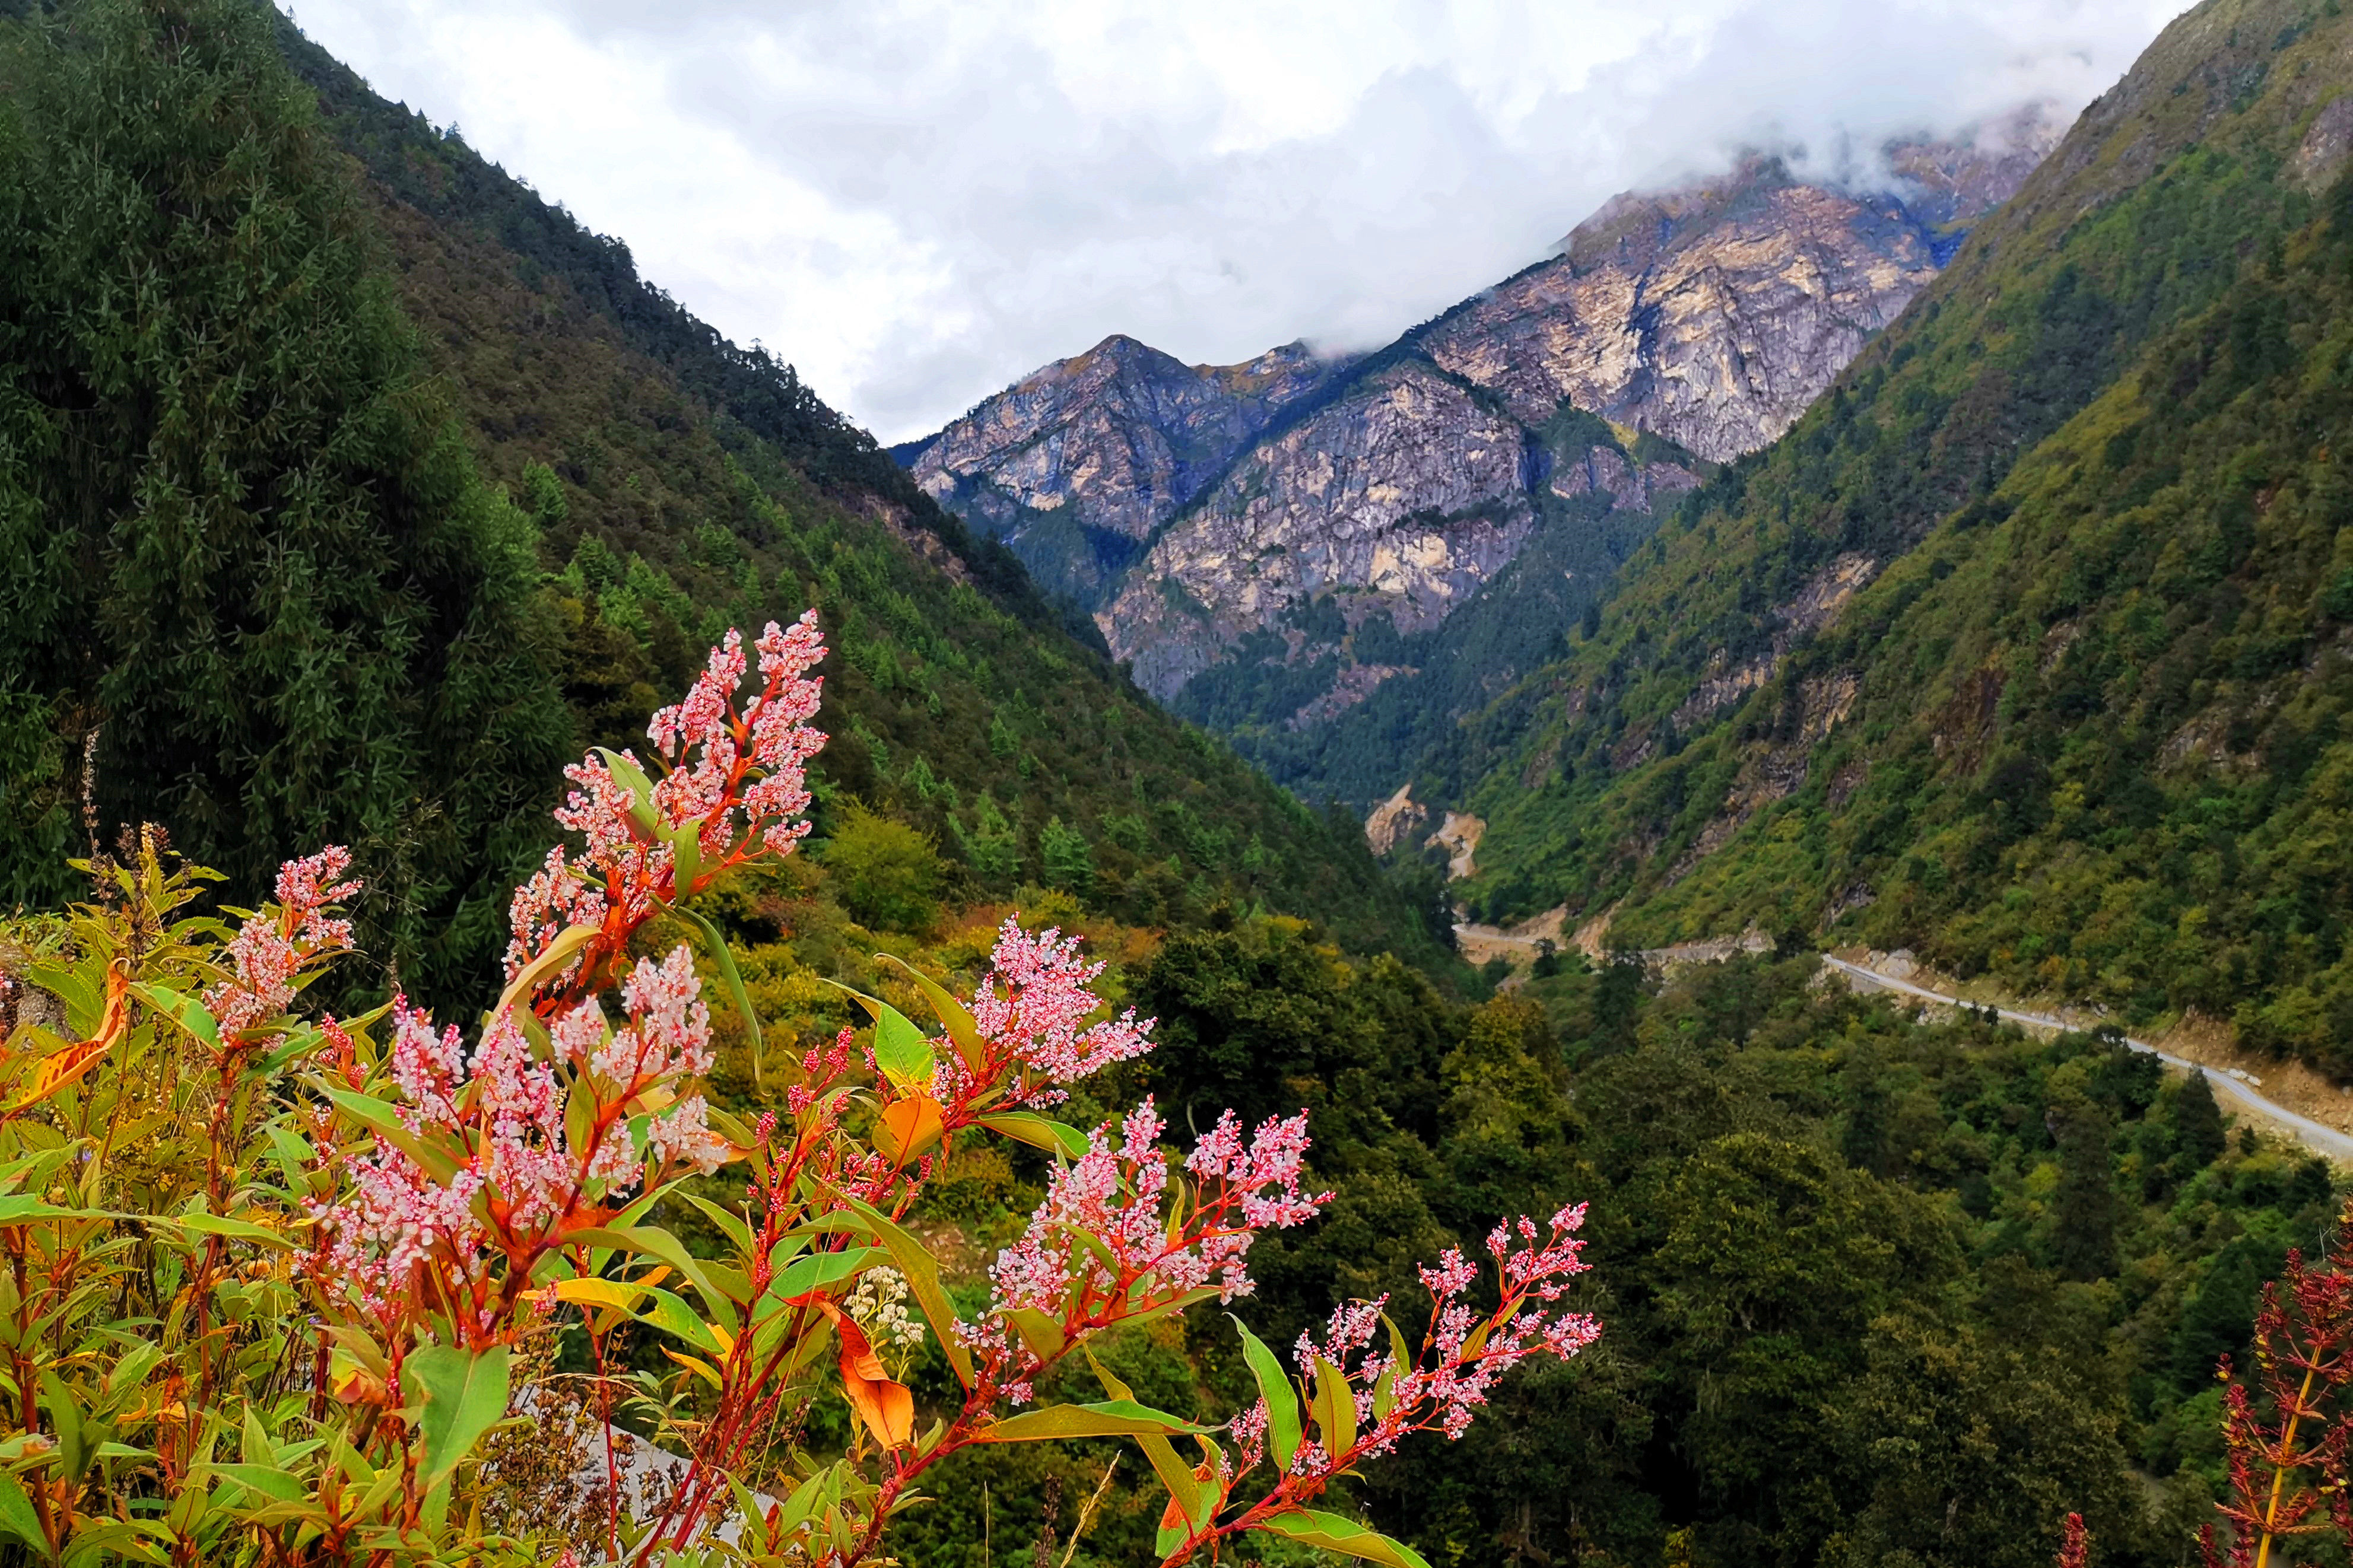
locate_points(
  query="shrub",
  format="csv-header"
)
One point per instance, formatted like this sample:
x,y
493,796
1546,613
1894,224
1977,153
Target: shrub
x,y
297,1292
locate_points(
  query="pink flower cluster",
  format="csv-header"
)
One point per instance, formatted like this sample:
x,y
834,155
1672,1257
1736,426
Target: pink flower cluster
x,y
1264,1177
710,748
1033,1006
1445,1387
270,948
1113,1196
501,1114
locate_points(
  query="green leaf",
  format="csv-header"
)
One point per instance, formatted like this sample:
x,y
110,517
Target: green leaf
x,y
1029,1127
651,1241
184,1011
1313,1527
1282,1400
816,1270
1384,1391
900,1049
221,1224
1335,1410
1041,1333
560,951
1174,1473
923,1276
669,1313
631,777
723,960
961,1027
464,1396
379,1118
685,843
263,1478
20,1208
16,1515
1105,1418
729,1222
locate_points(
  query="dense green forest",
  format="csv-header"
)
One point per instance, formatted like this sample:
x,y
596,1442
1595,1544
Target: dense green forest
x,y
542,500
1879,1289
2079,728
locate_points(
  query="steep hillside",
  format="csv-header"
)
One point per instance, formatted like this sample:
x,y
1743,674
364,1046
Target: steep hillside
x,y
1077,466
2027,647
682,485
506,496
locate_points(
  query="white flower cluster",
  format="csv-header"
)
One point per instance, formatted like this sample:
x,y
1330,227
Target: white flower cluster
x,y
879,1306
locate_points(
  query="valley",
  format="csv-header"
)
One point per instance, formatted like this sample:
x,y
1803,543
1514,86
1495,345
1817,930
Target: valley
x,y
1579,936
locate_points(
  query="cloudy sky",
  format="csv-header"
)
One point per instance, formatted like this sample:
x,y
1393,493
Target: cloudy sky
x,y
917,201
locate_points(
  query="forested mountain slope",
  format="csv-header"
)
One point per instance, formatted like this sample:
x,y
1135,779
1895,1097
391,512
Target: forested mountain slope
x,y
2027,648
660,485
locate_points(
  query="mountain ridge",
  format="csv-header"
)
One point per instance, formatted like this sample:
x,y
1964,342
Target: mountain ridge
x,y
1387,484
2023,649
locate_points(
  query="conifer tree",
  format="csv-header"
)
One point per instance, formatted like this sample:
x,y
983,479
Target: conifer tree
x,y
254,578
2198,1135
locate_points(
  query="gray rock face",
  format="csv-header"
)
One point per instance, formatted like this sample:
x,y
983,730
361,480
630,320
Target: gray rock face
x,y
1713,315
1399,497
1110,443
1195,506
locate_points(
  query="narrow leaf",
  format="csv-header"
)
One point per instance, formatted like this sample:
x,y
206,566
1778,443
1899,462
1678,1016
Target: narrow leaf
x,y
1029,1127
923,1276
816,1270
1329,1532
1282,1401
560,951
185,1011
961,1027
631,777
1105,1418
670,1314
723,960
1335,1410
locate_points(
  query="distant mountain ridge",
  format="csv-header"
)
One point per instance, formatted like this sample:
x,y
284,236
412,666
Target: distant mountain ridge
x,y
1286,549
2030,646
1077,464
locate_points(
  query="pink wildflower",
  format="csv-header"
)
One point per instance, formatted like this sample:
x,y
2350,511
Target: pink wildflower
x,y
271,949
738,778
1033,1007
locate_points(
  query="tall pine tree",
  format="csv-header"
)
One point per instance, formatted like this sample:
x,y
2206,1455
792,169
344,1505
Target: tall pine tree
x,y
251,571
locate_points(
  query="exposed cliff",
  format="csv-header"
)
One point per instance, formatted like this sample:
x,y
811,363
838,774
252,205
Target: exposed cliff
x,y
1713,315
1076,465
1302,531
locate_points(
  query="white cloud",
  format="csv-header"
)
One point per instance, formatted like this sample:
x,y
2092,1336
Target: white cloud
x,y
917,201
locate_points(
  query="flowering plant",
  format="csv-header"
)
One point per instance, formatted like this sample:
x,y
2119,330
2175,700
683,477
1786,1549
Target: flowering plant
x,y
2287,1429
360,1330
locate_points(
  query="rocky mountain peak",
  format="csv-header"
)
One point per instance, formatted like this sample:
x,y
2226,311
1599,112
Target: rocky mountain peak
x,y
1304,530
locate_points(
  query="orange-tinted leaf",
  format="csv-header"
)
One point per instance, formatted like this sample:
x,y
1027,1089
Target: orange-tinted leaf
x,y
70,1065
907,1127
887,1409
1173,1517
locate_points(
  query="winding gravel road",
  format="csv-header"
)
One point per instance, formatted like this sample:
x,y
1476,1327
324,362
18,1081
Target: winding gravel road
x,y
2322,1140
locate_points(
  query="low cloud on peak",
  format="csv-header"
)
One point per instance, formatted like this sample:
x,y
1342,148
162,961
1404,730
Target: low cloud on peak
x,y
919,201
